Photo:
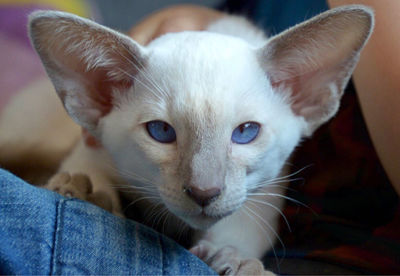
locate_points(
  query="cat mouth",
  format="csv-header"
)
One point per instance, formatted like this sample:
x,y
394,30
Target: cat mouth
x,y
204,220
200,217
206,214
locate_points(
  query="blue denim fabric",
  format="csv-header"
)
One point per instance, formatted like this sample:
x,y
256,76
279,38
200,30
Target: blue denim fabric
x,y
42,232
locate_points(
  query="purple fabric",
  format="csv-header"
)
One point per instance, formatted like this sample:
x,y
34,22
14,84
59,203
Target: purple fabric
x,y
19,63
19,66
14,21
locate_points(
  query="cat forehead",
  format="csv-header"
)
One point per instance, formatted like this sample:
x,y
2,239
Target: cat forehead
x,y
199,66
201,53
198,40
196,77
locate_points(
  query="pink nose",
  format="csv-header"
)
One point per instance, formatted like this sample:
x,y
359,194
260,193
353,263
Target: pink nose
x,y
203,197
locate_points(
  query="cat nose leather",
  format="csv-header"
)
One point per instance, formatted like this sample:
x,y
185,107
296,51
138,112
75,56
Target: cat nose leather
x,y
202,197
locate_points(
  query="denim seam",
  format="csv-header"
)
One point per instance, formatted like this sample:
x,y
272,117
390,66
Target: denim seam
x,y
57,229
162,254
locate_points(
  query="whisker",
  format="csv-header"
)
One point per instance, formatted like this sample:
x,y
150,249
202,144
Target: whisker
x,y
285,197
132,186
274,207
183,228
281,179
130,175
270,182
283,187
157,222
137,200
135,78
145,73
153,214
143,198
292,174
135,189
266,224
142,83
165,220
298,171
277,260
275,181
245,210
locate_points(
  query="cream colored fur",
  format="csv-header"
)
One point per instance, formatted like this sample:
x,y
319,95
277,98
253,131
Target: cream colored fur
x,y
204,84
36,133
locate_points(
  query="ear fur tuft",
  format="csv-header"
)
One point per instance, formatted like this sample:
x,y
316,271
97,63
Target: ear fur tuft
x,y
313,61
85,61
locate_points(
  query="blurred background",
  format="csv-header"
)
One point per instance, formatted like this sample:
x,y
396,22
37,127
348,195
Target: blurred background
x,y
20,64
125,13
353,197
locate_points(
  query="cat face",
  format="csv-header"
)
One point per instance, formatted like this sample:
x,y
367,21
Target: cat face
x,y
204,98
199,119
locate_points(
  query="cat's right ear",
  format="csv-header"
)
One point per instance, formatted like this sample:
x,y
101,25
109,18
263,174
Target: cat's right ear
x,y
87,63
313,61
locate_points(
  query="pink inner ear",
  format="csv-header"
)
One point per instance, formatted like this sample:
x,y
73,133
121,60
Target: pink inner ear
x,y
314,95
300,88
102,87
86,62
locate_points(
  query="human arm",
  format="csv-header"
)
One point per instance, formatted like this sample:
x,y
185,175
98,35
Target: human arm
x,y
377,80
173,19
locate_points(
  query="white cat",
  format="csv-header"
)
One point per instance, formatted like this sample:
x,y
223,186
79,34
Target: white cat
x,y
199,122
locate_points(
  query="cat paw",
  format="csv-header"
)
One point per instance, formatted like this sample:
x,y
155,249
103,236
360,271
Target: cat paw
x,y
78,186
226,261
253,267
75,185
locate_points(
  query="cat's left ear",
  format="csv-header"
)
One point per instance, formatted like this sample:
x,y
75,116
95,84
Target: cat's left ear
x,y
313,61
87,63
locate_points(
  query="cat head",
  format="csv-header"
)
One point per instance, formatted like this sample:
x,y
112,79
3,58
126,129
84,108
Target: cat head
x,y
201,119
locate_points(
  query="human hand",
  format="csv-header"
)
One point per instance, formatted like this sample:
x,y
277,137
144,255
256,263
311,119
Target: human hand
x,y
173,19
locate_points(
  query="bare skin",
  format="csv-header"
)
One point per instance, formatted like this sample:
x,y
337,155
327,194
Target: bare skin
x,y
173,19
376,77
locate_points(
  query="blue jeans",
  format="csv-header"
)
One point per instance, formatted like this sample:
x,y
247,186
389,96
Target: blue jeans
x,y
42,232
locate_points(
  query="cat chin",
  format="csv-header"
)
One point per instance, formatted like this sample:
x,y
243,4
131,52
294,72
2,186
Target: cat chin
x,y
201,218
203,221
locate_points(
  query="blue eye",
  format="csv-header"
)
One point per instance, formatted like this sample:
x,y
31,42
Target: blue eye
x,y
161,131
245,133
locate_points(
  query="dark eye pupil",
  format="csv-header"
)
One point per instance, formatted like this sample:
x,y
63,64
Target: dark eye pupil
x,y
166,127
243,127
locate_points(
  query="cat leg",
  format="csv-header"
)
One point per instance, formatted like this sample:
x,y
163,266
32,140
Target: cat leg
x,y
87,174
